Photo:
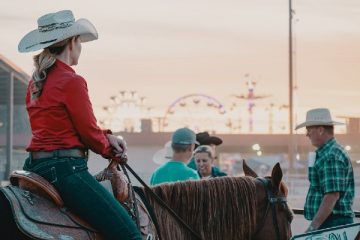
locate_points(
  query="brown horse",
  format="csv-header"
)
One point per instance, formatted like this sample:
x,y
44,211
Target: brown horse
x,y
227,208
219,208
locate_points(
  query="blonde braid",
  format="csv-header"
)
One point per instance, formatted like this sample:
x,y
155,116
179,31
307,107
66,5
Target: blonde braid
x,y
42,62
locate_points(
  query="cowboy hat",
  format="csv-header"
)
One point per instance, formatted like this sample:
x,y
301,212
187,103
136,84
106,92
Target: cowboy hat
x,y
55,27
318,117
204,138
164,154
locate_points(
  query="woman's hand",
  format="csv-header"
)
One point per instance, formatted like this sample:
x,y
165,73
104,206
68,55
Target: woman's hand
x,y
120,148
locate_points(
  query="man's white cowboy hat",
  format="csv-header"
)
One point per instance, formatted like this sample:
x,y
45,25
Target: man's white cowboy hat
x,y
318,117
55,27
163,155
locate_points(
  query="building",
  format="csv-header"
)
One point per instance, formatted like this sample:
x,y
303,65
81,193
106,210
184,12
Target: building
x,y
14,126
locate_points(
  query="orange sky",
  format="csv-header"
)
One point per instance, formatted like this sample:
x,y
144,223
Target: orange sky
x,y
166,49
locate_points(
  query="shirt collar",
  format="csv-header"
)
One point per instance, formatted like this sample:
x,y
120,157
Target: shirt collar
x,y
211,175
64,66
172,161
325,146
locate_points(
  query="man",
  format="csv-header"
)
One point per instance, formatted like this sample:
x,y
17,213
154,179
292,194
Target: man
x,y
183,144
331,192
204,138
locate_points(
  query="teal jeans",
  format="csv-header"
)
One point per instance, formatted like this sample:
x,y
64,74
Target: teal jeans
x,y
83,195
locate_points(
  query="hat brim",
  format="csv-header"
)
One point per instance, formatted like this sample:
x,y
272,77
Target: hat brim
x,y
160,157
163,155
317,123
36,40
210,140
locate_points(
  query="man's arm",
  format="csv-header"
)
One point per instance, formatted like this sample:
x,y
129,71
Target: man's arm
x,y
326,206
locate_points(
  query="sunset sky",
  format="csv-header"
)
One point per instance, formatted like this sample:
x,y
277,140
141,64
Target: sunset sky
x,y
165,49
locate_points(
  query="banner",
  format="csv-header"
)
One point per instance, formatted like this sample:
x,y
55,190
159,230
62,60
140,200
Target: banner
x,y
345,232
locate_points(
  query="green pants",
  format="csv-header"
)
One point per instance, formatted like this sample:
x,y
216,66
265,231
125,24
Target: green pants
x,y
85,196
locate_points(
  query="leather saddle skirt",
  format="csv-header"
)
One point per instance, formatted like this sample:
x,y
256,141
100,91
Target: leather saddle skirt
x,y
40,213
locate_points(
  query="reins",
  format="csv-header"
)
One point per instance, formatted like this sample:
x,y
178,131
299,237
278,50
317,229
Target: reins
x,y
163,204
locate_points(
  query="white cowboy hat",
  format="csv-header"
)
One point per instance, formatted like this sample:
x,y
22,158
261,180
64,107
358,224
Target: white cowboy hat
x,y
55,27
318,117
164,154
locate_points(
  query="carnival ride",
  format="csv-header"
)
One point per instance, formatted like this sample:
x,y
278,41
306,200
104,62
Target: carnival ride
x,y
125,111
199,112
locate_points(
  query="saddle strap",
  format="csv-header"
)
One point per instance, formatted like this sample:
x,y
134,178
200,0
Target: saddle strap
x,y
147,226
140,193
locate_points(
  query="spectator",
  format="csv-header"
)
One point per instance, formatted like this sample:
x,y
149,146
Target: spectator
x,y
204,138
183,144
164,154
204,159
331,192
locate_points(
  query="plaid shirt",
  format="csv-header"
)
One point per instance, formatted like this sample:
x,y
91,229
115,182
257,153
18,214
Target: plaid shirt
x,y
332,172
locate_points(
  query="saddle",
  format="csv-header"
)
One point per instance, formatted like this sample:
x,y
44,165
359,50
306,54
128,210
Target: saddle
x,y
39,211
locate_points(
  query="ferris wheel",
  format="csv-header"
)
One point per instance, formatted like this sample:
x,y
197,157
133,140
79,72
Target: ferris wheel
x,y
124,113
199,112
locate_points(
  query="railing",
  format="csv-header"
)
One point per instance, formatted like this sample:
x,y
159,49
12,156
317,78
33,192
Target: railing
x,y
301,212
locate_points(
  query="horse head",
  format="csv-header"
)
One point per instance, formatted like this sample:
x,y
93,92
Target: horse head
x,y
273,215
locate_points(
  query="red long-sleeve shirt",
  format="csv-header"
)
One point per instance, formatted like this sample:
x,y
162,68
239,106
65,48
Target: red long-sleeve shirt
x,y
62,117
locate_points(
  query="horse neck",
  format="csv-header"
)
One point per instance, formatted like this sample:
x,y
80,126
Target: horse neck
x,y
220,208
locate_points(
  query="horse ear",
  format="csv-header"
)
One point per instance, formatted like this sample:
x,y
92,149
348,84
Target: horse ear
x,y
248,171
276,176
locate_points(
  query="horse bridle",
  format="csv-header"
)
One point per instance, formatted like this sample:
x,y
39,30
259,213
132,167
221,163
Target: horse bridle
x,y
272,200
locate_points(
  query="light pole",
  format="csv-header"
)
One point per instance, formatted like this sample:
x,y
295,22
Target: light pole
x,y
291,109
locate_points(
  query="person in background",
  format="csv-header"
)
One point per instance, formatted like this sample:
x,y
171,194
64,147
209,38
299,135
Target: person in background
x,y
183,144
204,159
163,155
331,193
64,126
204,138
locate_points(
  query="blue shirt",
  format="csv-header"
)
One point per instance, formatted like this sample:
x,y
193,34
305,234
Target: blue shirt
x,y
173,171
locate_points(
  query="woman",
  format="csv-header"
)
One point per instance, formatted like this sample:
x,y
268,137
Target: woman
x,y
204,159
64,126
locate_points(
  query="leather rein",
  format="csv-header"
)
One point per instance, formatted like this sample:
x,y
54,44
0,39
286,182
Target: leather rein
x,y
163,204
272,200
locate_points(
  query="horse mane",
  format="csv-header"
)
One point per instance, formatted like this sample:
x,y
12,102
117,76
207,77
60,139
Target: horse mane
x,y
218,208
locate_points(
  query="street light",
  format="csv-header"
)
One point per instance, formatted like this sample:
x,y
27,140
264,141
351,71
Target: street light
x,y
256,147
